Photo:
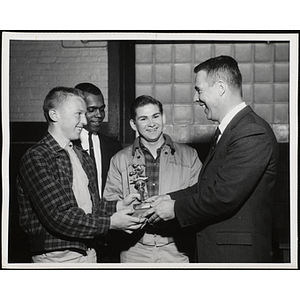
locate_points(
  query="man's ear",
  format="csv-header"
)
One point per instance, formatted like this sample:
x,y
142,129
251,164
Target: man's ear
x,y
53,114
222,87
132,124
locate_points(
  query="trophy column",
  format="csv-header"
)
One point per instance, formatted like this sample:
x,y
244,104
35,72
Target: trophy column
x,y
139,182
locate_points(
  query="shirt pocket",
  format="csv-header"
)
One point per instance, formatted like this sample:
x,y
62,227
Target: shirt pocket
x,y
233,238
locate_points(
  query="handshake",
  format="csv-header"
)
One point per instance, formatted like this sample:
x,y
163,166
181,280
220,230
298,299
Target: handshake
x,y
132,214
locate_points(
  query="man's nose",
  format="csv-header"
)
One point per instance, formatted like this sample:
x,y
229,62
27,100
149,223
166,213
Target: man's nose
x,y
151,122
196,97
97,112
83,120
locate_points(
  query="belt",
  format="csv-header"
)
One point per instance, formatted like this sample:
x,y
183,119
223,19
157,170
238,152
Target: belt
x,y
153,239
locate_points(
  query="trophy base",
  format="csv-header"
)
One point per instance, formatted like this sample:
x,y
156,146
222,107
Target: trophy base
x,y
140,208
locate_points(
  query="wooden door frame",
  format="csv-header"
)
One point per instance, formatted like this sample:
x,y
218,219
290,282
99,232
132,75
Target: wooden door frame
x,y
121,89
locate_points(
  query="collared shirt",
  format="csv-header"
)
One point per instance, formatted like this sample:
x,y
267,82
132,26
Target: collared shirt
x,y
152,170
226,120
153,164
152,235
179,167
84,137
80,182
49,212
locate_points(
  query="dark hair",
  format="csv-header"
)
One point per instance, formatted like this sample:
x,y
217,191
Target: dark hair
x,y
89,88
56,97
142,101
224,67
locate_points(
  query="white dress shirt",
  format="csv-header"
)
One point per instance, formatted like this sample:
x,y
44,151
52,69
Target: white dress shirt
x,y
226,120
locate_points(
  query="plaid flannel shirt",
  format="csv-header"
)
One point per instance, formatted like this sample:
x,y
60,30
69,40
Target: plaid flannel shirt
x,y
49,212
152,169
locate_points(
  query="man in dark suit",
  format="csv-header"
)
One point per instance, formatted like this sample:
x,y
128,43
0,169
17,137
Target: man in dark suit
x,y
100,147
231,205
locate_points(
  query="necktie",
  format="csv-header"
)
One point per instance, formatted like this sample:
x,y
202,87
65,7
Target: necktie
x,y
91,147
215,139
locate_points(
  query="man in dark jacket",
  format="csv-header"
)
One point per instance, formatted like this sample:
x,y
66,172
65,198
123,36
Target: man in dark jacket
x,y
231,205
101,148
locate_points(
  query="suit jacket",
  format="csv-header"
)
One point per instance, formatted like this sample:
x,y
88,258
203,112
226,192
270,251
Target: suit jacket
x,y
231,205
109,147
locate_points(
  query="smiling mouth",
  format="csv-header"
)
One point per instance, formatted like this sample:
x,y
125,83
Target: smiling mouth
x,y
96,122
152,130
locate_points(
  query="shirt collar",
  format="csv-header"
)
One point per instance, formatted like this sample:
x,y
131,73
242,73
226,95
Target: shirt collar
x,y
230,116
61,142
52,143
168,141
84,133
84,139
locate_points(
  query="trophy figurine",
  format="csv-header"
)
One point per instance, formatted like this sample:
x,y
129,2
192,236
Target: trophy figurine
x,y
139,182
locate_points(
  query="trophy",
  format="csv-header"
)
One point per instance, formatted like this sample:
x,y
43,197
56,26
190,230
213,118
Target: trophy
x,y
139,182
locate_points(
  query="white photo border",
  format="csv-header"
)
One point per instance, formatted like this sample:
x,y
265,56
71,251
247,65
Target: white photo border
x,y
292,38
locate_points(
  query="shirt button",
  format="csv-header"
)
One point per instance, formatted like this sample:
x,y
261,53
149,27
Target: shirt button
x,y
154,184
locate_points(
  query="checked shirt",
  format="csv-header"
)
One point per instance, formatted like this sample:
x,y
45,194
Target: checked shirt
x,y
152,170
49,212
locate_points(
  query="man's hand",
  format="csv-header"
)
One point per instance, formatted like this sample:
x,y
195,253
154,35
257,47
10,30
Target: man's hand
x,y
161,209
128,202
151,199
123,220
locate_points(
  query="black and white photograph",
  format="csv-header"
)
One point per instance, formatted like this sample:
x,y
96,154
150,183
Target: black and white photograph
x,y
140,150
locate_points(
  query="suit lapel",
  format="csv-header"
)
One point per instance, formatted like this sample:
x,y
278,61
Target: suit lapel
x,y
225,135
208,159
104,151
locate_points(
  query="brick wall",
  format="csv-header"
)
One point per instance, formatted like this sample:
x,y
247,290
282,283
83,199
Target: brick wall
x,y
165,71
38,66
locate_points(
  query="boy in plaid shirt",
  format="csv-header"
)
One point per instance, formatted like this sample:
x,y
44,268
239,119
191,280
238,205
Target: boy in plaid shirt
x,y
58,197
